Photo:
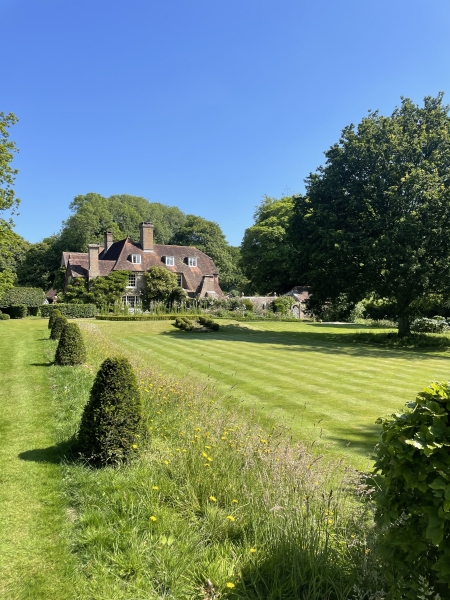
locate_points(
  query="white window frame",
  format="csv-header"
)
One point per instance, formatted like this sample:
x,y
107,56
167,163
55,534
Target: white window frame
x,y
131,301
136,259
180,279
170,261
131,277
192,261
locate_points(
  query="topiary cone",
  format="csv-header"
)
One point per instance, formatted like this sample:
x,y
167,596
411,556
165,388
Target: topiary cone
x,y
112,419
71,349
57,327
53,314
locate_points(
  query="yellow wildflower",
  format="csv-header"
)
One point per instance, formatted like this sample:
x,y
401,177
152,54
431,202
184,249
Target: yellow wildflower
x,y
213,499
252,550
152,518
230,585
231,518
234,500
155,487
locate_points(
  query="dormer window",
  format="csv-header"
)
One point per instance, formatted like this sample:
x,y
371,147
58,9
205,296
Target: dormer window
x,y
136,259
170,261
192,261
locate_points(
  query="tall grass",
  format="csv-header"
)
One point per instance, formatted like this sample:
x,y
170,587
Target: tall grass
x,y
214,506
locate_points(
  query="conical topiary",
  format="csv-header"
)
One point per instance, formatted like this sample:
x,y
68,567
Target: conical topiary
x,y
53,314
71,349
57,327
111,422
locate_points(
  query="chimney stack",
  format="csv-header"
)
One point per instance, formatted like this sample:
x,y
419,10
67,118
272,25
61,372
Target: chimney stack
x,y
146,231
93,261
108,240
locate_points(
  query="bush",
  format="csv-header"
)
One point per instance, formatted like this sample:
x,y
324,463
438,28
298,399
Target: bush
x,y
71,349
57,327
34,311
18,312
412,494
208,323
283,304
248,304
22,295
111,422
184,323
4,317
54,313
71,311
434,325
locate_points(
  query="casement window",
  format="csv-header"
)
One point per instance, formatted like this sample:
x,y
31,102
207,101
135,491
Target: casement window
x,y
136,259
131,280
179,279
130,301
192,261
170,261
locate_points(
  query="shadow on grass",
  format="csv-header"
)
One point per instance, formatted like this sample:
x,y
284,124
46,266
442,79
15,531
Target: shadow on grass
x,y
313,340
62,452
49,364
361,438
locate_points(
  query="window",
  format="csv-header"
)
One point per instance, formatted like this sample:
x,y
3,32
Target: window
x,y
192,261
179,279
130,301
131,280
170,261
136,259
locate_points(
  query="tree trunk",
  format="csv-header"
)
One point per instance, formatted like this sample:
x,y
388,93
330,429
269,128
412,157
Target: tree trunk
x,y
404,326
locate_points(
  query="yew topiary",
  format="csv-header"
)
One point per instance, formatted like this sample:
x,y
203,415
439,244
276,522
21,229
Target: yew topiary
x,y
53,314
111,423
71,349
57,327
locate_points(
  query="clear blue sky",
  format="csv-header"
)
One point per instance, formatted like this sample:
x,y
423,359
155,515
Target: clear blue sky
x,y
204,105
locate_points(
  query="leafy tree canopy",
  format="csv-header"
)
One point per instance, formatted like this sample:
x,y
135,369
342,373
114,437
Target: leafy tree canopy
x,y
267,248
37,269
159,284
376,219
208,237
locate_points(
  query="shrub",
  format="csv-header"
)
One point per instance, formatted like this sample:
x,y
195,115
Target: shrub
x,y
18,312
34,311
71,349
140,317
184,323
57,327
4,317
435,325
412,493
54,313
283,304
248,304
22,295
71,311
111,422
208,323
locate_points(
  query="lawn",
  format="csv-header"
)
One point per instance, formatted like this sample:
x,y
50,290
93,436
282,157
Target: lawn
x,y
314,378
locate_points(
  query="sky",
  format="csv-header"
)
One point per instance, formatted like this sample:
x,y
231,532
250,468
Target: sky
x,y
203,105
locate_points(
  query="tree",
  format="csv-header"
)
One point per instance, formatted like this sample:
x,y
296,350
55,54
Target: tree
x,y
267,250
208,237
40,263
159,284
71,349
376,218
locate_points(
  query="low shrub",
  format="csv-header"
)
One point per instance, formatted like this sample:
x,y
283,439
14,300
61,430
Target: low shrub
x,y
71,349
4,317
54,313
34,311
140,317
71,311
18,312
184,323
435,325
208,323
412,494
111,423
57,327
248,304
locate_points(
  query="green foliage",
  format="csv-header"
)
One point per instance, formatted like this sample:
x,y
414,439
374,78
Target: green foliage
x,y
22,295
376,219
208,237
76,292
208,323
4,317
110,426
107,290
53,313
13,248
71,311
248,304
184,323
267,251
41,264
437,324
159,284
412,493
7,279
283,304
177,295
71,349
8,201
18,311
58,325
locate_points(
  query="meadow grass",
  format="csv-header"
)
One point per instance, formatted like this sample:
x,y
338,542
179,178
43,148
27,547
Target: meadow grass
x,y
324,382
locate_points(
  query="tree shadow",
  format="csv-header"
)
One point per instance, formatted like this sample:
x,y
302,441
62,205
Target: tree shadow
x,y
362,438
49,364
55,455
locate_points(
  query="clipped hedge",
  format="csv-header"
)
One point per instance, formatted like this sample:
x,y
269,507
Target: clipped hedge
x,y
55,313
111,424
57,327
71,349
22,295
18,312
71,311
4,317
184,324
208,323
137,317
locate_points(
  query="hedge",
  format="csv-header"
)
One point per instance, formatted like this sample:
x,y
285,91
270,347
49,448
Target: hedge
x,y
22,295
70,311
18,312
137,317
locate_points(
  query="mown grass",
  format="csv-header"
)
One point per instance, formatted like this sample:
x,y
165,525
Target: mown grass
x,y
317,379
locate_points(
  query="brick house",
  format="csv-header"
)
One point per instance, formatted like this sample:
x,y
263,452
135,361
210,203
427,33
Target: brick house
x,y
196,272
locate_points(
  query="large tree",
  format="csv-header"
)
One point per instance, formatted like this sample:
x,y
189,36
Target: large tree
x,y
208,237
376,218
267,247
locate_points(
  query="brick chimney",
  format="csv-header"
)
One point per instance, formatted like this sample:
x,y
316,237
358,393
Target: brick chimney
x,y
93,261
146,231
108,240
